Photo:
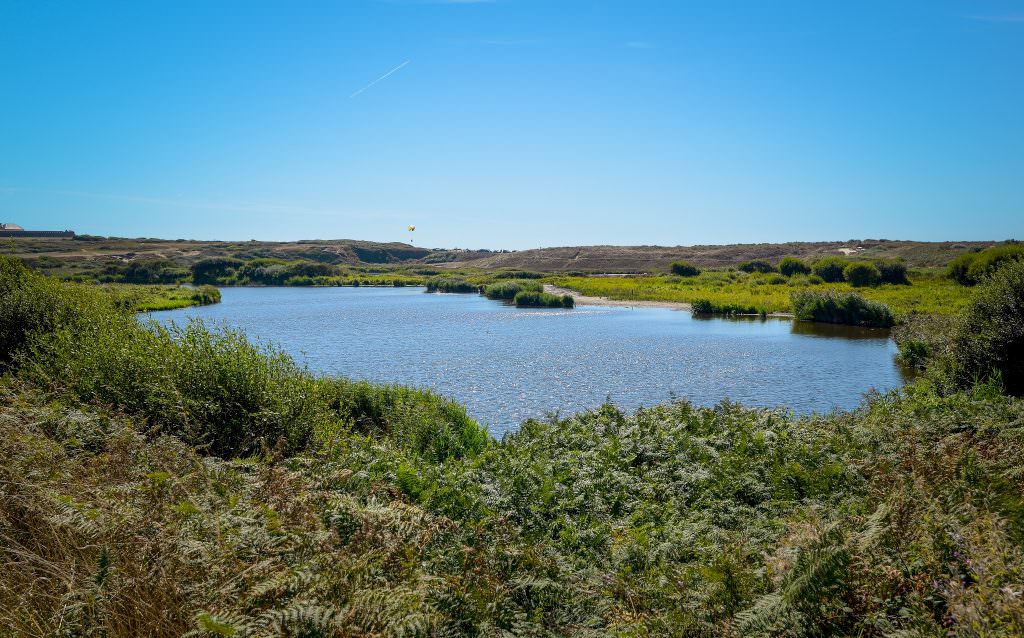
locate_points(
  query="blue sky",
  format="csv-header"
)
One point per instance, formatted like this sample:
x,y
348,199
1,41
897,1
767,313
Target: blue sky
x,y
515,123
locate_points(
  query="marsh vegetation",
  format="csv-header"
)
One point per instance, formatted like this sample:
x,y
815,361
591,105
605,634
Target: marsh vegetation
x,y
165,481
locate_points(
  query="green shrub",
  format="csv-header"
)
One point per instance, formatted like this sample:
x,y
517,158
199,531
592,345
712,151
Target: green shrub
x,y
776,279
206,295
534,299
215,269
989,338
427,424
684,269
987,261
507,290
756,265
450,284
848,308
959,267
707,307
32,304
830,269
861,274
790,266
971,268
892,272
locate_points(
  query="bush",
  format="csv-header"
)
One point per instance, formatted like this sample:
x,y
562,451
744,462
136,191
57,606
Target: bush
x,y
206,295
775,279
989,338
450,284
849,308
32,304
533,299
970,269
892,272
861,274
684,269
756,265
830,269
215,269
708,307
958,268
790,266
988,261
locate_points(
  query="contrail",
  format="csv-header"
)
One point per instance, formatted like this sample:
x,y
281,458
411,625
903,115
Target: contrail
x,y
379,79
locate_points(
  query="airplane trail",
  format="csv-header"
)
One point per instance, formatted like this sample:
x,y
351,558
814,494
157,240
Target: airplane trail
x,y
379,79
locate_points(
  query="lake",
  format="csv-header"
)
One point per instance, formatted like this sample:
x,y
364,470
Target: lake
x,y
508,364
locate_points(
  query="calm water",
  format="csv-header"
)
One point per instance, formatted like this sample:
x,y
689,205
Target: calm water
x,y
508,364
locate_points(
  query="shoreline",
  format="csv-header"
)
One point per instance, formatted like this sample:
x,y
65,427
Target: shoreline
x,y
585,300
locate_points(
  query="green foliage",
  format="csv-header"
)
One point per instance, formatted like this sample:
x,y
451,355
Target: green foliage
x,y
849,308
507,290
892,272
146,271
450,284
989,338
861,274
988,261
959,266
684,269
32,304
830,269
215,269
534,299
790,266
971,268
340,508
708,307
756,265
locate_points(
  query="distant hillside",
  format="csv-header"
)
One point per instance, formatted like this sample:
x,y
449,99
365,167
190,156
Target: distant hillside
x,y
185,252
614,259
87,250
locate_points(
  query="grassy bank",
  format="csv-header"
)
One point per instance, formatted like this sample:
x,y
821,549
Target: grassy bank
x,y
159,482
141,298
770,292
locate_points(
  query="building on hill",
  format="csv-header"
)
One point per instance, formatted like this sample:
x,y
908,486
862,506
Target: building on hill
x,y
14,230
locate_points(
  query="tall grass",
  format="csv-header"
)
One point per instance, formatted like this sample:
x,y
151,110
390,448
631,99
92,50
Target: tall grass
x,y
507,290
450,284
536,299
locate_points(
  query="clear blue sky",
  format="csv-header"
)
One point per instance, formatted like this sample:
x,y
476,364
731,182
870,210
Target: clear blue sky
x,y
515,123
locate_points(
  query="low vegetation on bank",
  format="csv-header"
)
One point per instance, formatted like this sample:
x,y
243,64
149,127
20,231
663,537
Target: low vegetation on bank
x,y
507,290
141,298
767,293
534,299
178,481
450,284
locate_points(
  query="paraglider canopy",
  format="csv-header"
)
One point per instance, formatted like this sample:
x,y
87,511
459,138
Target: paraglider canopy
x,y
412,228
